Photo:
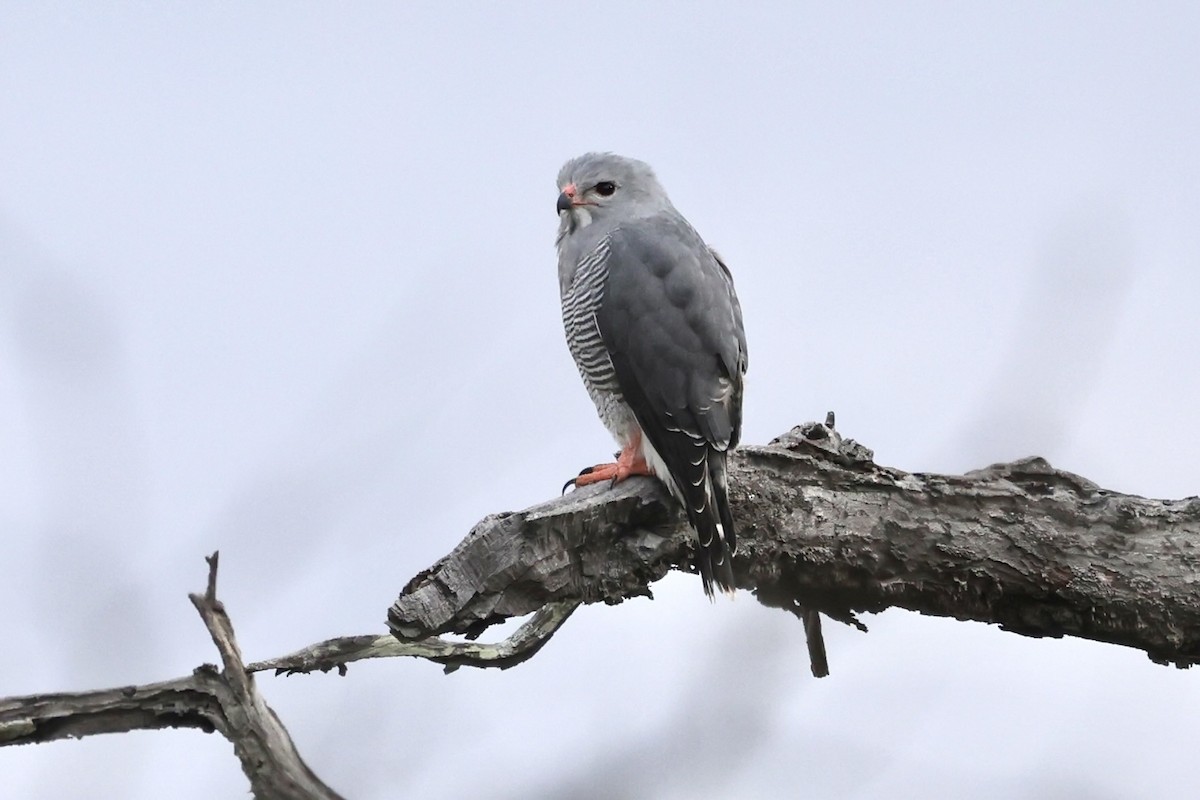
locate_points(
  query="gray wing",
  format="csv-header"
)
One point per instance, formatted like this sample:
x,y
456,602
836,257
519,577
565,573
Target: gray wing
x,y
672,327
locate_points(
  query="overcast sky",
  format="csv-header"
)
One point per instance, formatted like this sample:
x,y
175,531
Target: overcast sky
x,y
280,280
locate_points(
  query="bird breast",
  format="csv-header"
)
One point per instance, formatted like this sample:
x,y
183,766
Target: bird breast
x,y
580,302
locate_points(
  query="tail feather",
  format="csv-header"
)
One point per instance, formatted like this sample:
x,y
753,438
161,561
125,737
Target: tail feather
x,y
713,523
695,473
720,494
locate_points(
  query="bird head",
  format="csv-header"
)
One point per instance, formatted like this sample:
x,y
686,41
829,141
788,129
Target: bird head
x,y
604,187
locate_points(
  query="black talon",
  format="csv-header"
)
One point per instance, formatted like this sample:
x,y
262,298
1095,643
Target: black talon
x,y
571,482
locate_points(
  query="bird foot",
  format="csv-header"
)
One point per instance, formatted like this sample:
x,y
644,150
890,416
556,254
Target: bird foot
x,y
626,466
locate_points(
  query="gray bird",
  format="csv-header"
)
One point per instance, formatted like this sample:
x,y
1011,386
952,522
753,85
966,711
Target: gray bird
x,y
655,328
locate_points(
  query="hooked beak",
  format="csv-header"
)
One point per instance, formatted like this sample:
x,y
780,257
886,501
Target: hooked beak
x,y
566,200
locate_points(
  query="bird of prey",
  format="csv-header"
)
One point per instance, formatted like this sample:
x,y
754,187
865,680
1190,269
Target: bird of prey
x,y
655,328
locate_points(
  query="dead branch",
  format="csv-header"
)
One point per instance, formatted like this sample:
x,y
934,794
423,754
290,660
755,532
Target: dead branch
x,y
336,653
223,700
227,701
1036,550
1039,551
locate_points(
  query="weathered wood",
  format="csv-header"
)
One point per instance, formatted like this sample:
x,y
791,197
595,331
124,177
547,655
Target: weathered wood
x,y
1039,551
211,699
524,644
191,702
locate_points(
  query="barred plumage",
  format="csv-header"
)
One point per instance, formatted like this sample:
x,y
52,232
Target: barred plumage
x,y
579,305
580,302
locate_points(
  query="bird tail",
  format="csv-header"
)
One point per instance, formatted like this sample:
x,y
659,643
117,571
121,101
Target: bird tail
x,y
714,527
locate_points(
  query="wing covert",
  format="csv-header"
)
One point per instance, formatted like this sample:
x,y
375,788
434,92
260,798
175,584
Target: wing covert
x,y
673,329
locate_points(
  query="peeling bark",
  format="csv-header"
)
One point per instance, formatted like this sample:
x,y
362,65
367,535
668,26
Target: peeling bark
x,y
1039,551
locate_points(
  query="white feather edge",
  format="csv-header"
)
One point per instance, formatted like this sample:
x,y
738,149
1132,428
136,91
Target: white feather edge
x,y
659,468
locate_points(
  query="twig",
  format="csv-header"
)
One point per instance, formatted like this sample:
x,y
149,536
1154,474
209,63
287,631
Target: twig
x,y
336,653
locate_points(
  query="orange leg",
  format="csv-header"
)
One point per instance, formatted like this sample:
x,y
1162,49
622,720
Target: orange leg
x,y
628,464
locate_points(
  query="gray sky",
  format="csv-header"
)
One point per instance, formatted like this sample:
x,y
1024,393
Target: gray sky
x,y
280,280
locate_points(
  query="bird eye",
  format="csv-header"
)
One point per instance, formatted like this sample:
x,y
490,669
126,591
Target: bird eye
x,y
605,188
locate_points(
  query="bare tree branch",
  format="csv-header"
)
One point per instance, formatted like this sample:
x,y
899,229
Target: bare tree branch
x,y
191,702
210,699
336,653
1039,551
227,701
